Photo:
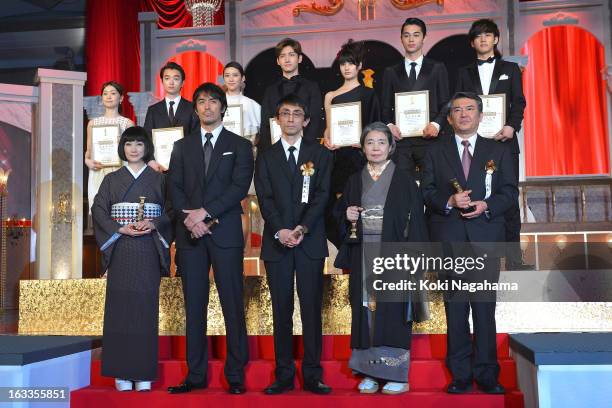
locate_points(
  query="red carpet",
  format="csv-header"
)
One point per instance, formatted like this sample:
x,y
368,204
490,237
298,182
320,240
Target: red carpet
x,y
428,379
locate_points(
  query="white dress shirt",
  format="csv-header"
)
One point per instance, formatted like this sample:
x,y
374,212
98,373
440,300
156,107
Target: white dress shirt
x,y
176,103
286,147
215,132
417,68
472,139
485,72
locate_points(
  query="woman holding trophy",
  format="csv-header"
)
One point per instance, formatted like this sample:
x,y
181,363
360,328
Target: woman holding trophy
x,y
133,230
381,203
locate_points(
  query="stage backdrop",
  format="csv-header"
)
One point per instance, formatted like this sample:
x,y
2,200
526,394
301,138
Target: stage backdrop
x,y
566,120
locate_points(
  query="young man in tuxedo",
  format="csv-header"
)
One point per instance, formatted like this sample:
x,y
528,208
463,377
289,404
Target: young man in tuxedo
x,y
288,57
474,215
415,73
490,74
292,180
173,110
210,173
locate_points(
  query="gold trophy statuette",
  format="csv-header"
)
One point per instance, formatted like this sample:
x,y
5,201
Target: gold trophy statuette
x,y
353,230
459,189
141,204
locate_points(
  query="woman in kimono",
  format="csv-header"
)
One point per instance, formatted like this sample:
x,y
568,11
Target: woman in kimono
x,y
347,159
385,205
133,230
112,97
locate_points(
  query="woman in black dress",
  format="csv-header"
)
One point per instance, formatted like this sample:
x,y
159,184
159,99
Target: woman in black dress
x,y
133,232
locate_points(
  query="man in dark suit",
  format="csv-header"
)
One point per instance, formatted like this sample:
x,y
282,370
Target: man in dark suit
x,y
489,74
288,56
172,111
292,181
210,173
475,215
415,73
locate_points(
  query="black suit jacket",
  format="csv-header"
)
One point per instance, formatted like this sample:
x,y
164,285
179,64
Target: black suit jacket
x,y
432,77
469,80
184,115
219,192
280,198
442,163
308,91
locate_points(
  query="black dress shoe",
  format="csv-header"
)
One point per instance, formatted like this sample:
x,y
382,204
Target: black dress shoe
x,y
237,389
278,387
492,388
317,387
459,387
184,387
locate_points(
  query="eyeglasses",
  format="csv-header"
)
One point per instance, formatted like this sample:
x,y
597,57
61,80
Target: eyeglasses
x,y
295,114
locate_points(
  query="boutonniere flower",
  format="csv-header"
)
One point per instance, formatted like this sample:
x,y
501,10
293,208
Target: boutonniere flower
x,y
307,169
490,167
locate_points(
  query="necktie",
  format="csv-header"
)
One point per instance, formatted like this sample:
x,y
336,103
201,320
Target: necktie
x,y
412,76
487,61
466,158
208,149
291,161
171,113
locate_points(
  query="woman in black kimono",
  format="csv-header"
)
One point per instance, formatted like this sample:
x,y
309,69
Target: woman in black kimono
x,y
386,205
133,231
348,159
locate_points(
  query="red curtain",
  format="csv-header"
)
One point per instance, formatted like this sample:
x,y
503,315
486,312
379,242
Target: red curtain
x,y
112,43
566,127
199,67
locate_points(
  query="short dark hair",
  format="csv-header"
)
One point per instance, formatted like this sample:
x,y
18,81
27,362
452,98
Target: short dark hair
x,y
378,127
482,26
294,100
212,90
351,52
466,95
287,42
236,65
172,65
114,84
417,22
137,134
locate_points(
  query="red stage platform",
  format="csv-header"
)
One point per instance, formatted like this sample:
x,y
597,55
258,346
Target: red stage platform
x,y
428,379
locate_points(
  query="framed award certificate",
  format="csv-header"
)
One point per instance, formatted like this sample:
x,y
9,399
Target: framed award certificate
x,y
345,126
163,140
275,130
105,143
232,120
493,114
412,112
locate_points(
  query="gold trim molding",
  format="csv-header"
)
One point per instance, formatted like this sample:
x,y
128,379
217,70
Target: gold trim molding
x,y
328,10
410,4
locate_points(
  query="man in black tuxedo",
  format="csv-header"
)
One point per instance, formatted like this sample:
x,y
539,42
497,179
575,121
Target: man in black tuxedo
x,y
489,74
210,173
288,56
415,73
172,111
292,180
473,216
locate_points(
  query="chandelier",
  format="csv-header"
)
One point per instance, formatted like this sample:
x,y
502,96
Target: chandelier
x,y
203,11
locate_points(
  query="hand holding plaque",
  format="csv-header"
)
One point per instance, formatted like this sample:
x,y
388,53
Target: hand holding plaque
x,y
412,112
163,141
105,145
345,126
493,115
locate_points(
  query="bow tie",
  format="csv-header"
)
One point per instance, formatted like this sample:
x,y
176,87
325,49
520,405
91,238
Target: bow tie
x,y
487,61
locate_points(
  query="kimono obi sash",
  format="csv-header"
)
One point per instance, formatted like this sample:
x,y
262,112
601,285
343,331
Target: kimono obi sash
x,y
126,213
